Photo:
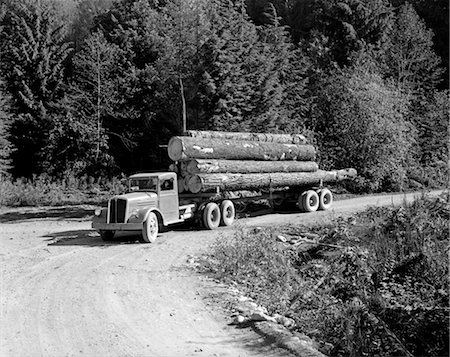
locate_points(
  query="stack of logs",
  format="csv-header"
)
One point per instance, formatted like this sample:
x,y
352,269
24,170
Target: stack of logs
x,y
207,160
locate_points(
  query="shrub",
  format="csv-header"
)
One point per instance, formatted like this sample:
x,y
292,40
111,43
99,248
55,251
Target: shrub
x,y
376,285
360,123
45,191
260,266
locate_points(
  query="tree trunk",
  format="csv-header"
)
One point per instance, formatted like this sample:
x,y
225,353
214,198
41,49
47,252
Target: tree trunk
x,y
266,137
234,182
183,148
204,166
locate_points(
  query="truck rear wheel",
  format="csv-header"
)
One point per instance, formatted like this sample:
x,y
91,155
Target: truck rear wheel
x,y
211,216
107,236
227,213
325,199
300,200
310,201
150,228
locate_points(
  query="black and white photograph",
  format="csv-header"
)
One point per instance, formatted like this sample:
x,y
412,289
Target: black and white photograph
x,y
224,178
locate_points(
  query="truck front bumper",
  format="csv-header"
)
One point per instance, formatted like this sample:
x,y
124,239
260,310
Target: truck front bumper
x,y
117,226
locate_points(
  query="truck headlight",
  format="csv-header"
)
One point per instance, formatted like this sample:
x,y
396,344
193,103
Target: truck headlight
x,y
98,212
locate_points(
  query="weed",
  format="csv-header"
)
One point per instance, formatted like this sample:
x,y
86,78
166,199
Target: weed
x,y
376,285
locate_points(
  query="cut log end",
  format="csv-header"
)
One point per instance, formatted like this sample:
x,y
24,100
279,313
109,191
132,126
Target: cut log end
x,y
175,148
195,184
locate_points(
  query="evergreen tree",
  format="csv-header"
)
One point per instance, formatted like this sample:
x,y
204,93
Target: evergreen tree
x,y
79,139
435,13
83,19
354,26
5,122
409,58
33,58
4,115
249,71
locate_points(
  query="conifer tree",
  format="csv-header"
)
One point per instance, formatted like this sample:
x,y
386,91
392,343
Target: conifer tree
x,y
91,101
5,122
34,51
409,58
354,25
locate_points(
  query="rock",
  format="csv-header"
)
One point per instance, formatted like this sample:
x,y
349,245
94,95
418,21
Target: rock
x,y
239,319
281,238
285,321
260,316
243,298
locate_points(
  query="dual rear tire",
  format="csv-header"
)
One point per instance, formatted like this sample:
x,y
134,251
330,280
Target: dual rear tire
x,y
311,201
214,216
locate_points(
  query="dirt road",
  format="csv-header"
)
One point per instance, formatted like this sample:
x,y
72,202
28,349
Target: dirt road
x,y
64,292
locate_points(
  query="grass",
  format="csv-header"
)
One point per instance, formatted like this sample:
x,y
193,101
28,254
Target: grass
x,y
376,285
46,191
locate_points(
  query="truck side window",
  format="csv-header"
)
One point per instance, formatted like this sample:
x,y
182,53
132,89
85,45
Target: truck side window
x,y
167,185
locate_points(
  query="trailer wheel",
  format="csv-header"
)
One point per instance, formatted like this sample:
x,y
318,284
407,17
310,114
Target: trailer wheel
x,y
227,213
310,201
211,216
107,236
150,228
325,199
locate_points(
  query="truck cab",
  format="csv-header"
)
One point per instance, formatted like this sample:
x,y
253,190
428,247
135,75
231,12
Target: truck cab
x,y
150,203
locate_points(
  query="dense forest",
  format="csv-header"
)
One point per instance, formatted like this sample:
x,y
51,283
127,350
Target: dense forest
x,y
97,87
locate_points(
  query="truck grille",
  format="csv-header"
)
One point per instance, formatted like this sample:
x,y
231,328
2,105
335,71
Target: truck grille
x,y
117,210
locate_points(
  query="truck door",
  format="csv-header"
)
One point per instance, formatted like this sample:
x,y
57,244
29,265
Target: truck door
x,y
168,200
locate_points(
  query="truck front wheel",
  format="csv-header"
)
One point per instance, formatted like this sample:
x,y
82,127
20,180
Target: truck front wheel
x,y
228,213
211,216
150,228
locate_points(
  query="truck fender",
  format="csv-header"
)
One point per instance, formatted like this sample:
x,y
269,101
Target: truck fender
x,y
158,214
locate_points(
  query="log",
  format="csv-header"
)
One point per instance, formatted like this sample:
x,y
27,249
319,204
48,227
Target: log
x,y
266,137
173,168
234,182
183,168
205,166
183,148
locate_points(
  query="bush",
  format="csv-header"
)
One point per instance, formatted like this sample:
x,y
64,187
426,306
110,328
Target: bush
x,y
360,123
45,191
259,265
376,285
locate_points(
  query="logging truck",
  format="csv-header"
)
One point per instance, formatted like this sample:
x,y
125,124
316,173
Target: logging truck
x,y
153,201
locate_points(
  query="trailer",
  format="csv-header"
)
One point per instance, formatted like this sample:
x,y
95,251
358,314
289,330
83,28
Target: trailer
x,y
153,202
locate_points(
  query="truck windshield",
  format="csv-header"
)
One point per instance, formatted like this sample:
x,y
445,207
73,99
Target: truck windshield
x,y
143,184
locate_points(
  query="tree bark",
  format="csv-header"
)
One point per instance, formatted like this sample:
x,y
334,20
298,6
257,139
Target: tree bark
x,y
233,182
266,137
183,148
205,166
